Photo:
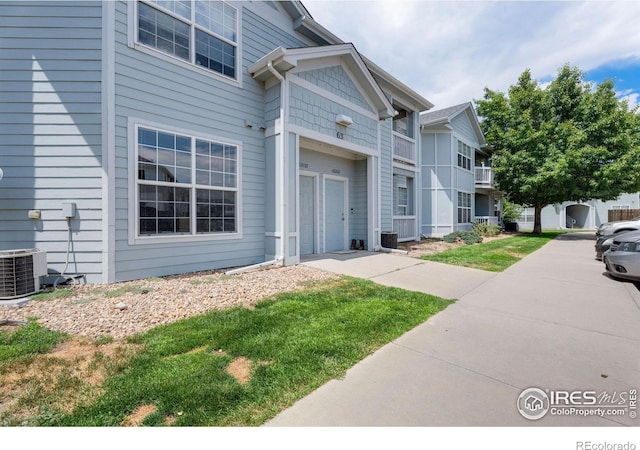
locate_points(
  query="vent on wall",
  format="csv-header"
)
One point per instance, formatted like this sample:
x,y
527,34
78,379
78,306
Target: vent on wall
x,y
20,272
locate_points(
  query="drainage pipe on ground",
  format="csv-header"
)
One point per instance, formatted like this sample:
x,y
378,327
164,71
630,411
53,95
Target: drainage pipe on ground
x,y
255,266
391,250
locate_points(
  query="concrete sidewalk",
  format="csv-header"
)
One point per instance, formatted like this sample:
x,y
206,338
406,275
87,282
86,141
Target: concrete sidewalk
x,y
552,321
395,270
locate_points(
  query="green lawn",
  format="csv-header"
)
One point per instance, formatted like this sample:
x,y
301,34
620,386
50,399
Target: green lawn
x,y
30,339
494,256
290,344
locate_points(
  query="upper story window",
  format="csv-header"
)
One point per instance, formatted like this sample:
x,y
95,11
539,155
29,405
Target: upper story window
x,y
464,155
200,32
403,122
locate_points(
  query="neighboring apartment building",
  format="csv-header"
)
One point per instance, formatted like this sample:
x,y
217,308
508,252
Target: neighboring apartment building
x,y
146,138
457,179
578,215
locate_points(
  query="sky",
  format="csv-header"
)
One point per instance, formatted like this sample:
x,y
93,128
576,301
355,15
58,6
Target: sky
x,y
449,51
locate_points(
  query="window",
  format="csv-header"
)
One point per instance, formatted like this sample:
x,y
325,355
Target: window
x,y
527,215
464,207
620,207
186,185
402,201
402,195
200,32
403,122
464,155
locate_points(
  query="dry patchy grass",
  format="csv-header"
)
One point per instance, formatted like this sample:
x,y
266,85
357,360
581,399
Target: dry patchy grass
x,y
57,382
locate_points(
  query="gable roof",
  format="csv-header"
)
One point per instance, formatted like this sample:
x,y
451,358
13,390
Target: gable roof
x,y
305,24
446,115
442,116
284,59
419,102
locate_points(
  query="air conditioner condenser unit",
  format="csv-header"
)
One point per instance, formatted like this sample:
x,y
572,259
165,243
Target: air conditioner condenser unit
x,y
20,272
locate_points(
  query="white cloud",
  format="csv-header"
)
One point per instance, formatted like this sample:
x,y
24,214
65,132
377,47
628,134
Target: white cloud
x,y
631,97
449,51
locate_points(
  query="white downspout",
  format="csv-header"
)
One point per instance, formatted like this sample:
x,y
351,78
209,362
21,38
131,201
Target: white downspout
x,y
275,73
281,187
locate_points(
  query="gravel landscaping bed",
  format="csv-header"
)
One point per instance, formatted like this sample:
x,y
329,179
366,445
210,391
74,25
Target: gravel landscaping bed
x,y
123,309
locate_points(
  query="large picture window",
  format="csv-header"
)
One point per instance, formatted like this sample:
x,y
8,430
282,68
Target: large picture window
x,y
464,207
201,32
185,185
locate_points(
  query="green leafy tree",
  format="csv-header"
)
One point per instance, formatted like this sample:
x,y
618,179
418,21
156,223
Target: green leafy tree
x,y
566,141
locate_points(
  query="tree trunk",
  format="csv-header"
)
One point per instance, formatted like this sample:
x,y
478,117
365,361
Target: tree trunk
x,y
537,219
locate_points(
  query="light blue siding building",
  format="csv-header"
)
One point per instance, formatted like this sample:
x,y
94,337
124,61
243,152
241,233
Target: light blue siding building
x,y
196,135
589,214
457,180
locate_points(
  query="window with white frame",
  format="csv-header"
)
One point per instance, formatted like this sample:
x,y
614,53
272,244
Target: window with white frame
x,y
620,206
464,207
204,33
402,195
464,155
402,200
527,215
185,185
403,122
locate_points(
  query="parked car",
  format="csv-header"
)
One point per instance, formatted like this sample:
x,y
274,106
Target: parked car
x,y
610,228
622,260
604,242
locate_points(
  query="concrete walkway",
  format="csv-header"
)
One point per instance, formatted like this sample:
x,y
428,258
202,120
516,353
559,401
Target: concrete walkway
x,y
395,270
552,321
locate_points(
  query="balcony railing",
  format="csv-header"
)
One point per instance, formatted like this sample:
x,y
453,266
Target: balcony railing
x,y
404,148
405,226
493,220
484,176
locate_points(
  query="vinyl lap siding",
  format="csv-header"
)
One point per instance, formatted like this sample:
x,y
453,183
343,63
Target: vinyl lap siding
x,y
386,176
462,127
50,130
152,89
358,202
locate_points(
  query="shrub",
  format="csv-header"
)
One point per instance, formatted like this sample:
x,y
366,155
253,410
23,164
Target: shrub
x,y
468,237
510,211
486,229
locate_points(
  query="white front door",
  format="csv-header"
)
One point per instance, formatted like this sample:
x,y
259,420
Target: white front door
x,y
307,215
335,215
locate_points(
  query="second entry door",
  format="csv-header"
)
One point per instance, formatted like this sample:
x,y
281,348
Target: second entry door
x,y
335,216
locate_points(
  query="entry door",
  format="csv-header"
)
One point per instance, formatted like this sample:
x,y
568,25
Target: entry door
x,y
335,215
307,215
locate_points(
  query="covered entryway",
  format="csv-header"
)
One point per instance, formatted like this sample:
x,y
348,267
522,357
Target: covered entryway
x,y
322,151
577,215
336,219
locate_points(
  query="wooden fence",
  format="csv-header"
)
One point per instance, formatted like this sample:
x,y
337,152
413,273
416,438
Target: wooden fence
x,y
622,214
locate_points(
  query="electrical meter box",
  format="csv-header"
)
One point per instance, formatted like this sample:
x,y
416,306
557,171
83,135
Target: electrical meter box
x,y
69,210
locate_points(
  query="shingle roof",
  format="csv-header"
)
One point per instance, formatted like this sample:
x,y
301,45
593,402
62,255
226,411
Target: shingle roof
x,y
442,114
